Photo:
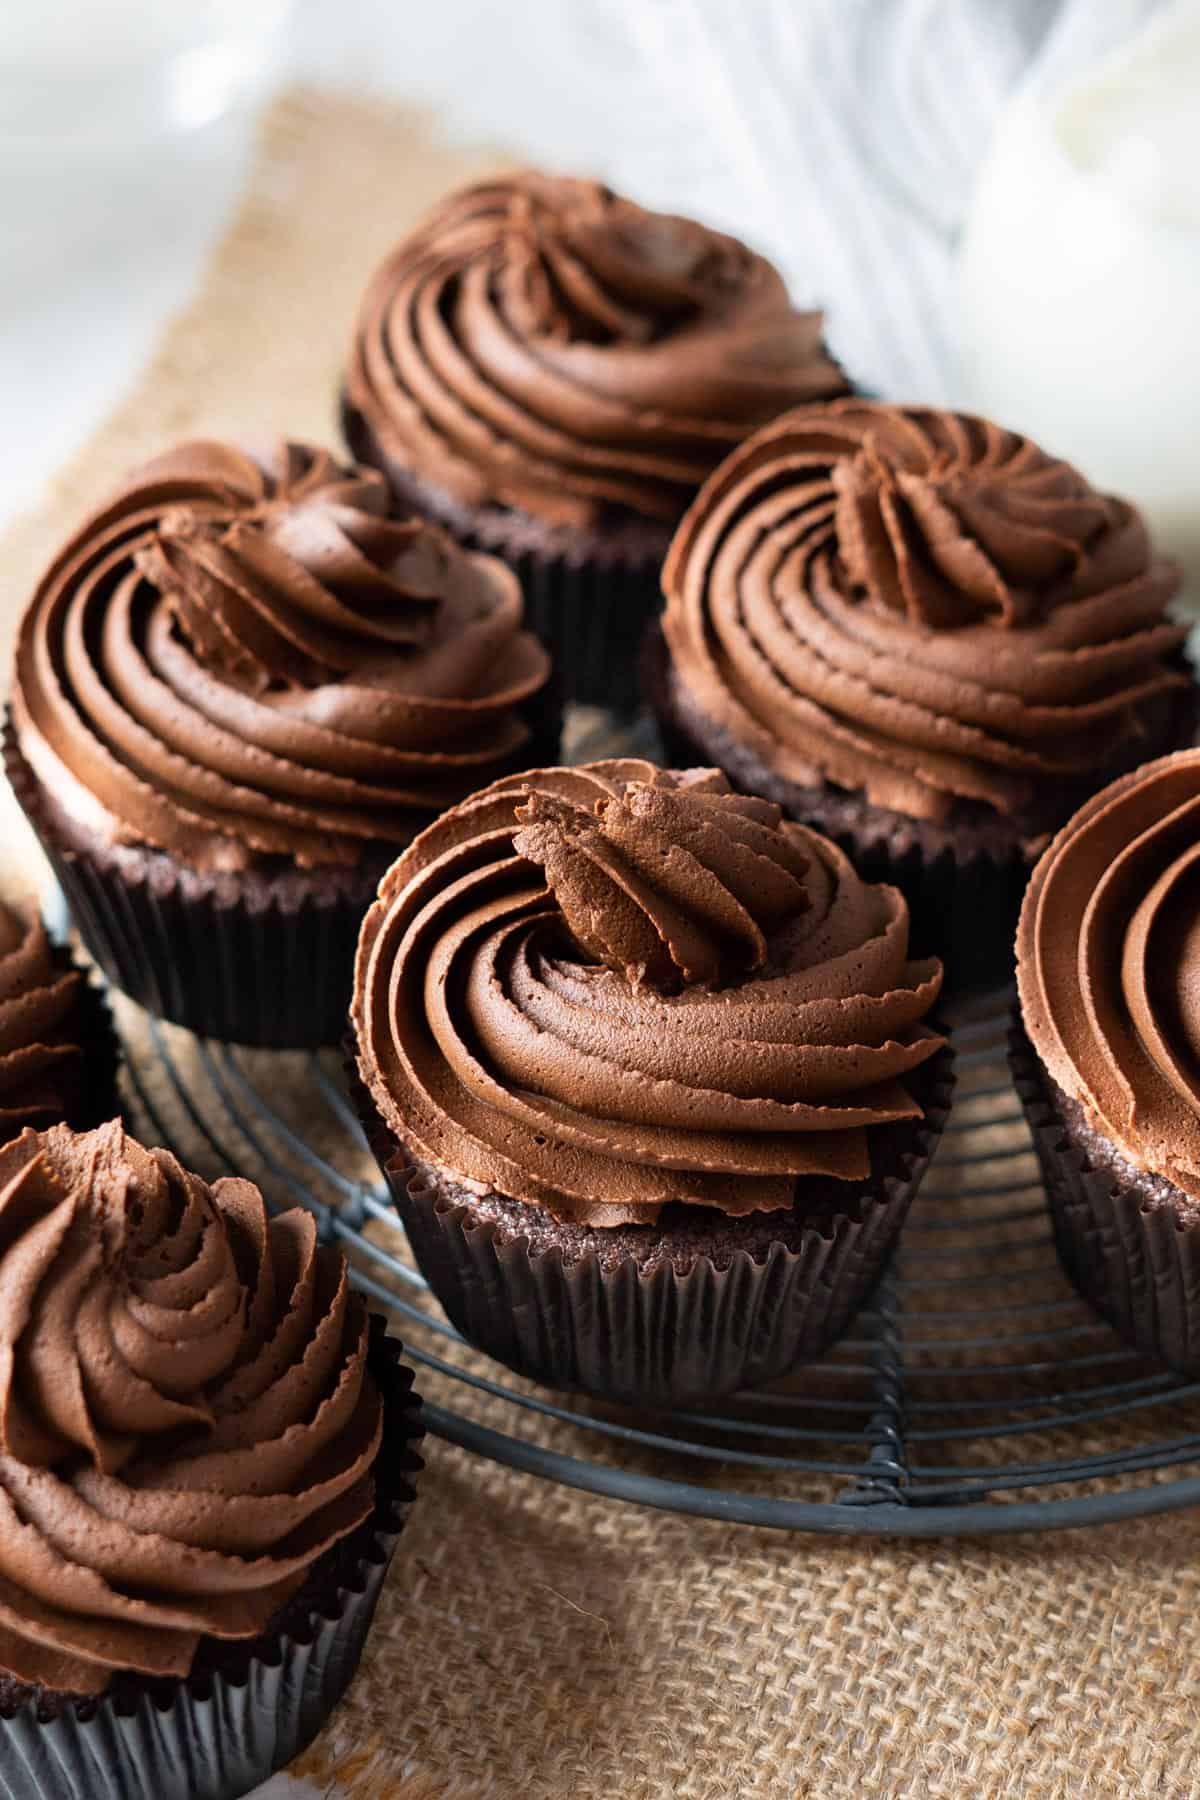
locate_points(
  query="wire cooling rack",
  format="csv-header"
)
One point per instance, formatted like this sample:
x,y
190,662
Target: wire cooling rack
x,y
977,1393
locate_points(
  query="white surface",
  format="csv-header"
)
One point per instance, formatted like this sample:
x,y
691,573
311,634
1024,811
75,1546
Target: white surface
x,y
123,133
1079,312
105,71
74,337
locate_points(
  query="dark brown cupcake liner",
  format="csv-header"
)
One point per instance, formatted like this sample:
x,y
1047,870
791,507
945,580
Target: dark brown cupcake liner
x,y
92,1096
965,902
650,1336
251,1709
591,617
275,977
590,603
1137,1264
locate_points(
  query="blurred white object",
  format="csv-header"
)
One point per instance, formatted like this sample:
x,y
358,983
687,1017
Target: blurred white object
x,y
102,71
109,108
840,136
1080,269
125,128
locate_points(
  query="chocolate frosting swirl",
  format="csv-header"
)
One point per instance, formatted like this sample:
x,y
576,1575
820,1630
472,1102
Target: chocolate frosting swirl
x,y
186,1418
1108,961
664,883
918,605
602,989
543,343
37,999
238,659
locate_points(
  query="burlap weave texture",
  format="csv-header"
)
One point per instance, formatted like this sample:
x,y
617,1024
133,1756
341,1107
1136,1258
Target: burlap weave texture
x,y
537,1642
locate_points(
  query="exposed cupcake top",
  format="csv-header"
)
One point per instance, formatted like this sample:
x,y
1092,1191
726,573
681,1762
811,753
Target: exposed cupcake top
x,y
239,658
1108,961
543,343
39,999
918,605
599,990
186,1418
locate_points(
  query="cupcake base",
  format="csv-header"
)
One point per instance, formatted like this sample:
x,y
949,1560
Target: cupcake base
x,y
263,958
247,1708
964,879
589,592
695,1306
1128,1239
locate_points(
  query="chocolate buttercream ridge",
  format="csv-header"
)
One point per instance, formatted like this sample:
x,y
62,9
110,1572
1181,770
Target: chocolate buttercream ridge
x,y
235,660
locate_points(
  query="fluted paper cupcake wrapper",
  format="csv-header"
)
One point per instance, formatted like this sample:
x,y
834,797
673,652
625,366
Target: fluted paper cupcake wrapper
x,y
218,1734
653,1337
1137,1265
272,975
88,1090
275,977
591,616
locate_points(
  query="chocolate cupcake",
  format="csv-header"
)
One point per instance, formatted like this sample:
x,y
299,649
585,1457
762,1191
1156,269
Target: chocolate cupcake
x,y
552,371
58,1051
207,1454
926,637
1107,1060
650,1074
239,690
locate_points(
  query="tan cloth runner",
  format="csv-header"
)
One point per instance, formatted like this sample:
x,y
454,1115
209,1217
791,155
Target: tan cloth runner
x,y
534,1641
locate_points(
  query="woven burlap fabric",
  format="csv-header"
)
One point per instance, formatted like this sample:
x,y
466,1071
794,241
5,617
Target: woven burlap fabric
x,y
540,1642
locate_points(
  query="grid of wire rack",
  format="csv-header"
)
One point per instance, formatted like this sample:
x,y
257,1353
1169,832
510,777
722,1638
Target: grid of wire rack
x,y
976,1393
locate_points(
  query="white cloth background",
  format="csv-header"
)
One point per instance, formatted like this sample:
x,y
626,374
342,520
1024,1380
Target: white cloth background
x,y
842,136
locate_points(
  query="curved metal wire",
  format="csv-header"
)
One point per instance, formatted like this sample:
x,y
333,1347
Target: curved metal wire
x,y
974,1346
